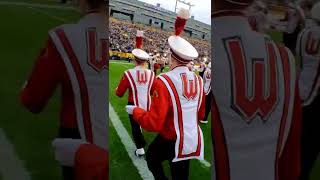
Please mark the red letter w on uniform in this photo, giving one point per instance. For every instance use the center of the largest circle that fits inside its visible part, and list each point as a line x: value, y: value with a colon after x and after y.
x: 264, y: 89
x: 142, y: 77
x: 101, y: 62
x: 189, y: 88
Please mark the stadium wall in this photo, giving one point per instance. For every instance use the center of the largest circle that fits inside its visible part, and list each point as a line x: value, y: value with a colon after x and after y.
x: 139, y: 12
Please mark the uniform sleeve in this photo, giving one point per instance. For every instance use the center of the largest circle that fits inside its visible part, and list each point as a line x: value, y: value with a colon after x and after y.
x: 123, y: 86
x: 202, y: 110
x: 45, y: 77
x: 154, y: 119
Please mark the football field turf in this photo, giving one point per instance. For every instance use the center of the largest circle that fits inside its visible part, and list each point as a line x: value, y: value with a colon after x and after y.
x: 23, y: 33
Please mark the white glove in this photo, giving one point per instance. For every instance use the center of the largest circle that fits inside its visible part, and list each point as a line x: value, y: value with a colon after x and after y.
x: 130, y: 108
x: 65, y: 150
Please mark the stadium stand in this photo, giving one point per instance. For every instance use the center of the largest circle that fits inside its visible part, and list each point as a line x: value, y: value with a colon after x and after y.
x: 155, y: 16
x: 122, y: 38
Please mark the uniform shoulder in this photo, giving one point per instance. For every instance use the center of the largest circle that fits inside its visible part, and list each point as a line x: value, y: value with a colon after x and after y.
x: 63, y: 27
x: 286, y: 52
x: 158, y: 82
x: 161, y: 76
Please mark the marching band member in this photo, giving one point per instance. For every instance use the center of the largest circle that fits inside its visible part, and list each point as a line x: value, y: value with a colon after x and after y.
x: 295, y: 19
x: 308, y: 50
x: 139, y: 82
x: 177, y: 106
x: 207, y: 91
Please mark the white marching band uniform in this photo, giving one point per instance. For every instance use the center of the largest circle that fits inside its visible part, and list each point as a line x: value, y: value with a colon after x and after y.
x: 308, y: 50
x: 141, y: 81
x: 92, y: 118
x: 185, y: 109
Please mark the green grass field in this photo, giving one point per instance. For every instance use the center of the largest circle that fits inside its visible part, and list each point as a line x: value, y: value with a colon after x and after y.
x: 23, y: 33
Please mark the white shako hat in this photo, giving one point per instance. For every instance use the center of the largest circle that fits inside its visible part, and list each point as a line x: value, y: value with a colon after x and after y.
x: 315, y: 12
x: 138, y: 53
x: 180, y: 48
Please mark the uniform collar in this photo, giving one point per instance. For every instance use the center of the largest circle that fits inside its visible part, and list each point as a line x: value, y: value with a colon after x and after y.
x: 180, y: 68
x: 94, y: 18
x: 229, y: 20
x: 139, y: 67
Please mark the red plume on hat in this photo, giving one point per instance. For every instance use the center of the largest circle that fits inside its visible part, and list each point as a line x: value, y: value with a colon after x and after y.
x: 139, y: 39
x: 183, y: 16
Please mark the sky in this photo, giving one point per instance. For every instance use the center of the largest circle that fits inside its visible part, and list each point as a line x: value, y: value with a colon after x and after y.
x: 201, y: 10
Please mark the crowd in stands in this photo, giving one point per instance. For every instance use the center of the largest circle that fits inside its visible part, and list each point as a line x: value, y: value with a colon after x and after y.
x: 123, y: 33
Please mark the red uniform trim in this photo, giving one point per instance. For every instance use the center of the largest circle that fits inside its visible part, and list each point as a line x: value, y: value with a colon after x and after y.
x: 149, y: 87
x: 82, y: 84
x: 286, y: 72
x: 135, y: 91
x: 180, y: 122
x: 220, y: 149
x: 201, y: 92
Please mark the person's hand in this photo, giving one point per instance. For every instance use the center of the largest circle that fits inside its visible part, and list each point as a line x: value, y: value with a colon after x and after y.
x: 130, y: 108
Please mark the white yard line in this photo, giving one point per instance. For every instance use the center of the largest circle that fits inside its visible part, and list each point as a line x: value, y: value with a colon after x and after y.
x: 8, y: 3
x: 11, y: 167
x: 130, y: 147
x: 123, y: 64
x: 119, y: 62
